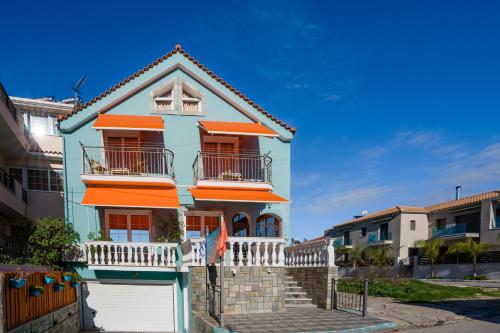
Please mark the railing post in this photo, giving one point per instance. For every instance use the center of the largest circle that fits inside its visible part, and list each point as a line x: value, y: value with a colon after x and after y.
x: 365, y: 297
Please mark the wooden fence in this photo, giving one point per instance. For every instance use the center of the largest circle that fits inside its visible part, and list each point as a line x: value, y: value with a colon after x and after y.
x: 22, y: 308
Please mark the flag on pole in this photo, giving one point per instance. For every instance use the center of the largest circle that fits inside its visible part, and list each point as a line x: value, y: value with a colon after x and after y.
x: 221, y: 241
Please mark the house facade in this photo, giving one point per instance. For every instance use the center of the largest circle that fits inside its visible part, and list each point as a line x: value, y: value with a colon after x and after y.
x: 476, y: 216
x: 163, y: 157
x: 31, y: 168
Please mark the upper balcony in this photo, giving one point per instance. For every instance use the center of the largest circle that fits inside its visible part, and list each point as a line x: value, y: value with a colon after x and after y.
x: 458, y: 231
x: 145, y: 163
x: 13, y: 197
x: 376, y: 238
x: 240, y: 167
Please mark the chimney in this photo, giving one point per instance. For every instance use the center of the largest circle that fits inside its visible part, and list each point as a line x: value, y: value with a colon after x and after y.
x: 457, y: 192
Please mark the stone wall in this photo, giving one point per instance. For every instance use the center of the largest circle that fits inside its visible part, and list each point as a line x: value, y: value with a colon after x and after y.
x: 246, y: 289
x: 65, y: 320
x: 317, y: 282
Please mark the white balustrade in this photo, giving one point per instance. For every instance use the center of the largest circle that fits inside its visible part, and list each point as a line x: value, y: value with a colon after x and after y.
x: 317, y: 253
x: 196, y: 255
x: 256, y: 251
x: 104, y: 253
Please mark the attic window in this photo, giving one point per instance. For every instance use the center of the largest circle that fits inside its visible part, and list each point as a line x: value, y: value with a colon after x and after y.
x: 191, y: 100
x: 164, y: 101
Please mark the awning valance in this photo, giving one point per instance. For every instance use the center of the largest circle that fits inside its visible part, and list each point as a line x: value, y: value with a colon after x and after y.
x: 130, y: 123
x: 131, y: 196
x: 235, y: 195
x: 236, y: 128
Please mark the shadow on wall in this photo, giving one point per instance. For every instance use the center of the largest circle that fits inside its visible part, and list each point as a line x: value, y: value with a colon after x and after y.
x: 88, y: 312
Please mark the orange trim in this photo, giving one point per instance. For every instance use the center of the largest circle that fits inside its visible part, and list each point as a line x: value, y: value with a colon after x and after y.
x: 236, y: 195
x: 126, y: 122
x: 230, y: 127
x: 131, y: 196
x: 128, y: 183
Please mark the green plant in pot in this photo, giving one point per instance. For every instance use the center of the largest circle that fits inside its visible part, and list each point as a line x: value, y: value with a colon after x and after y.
x: 75, y: 279
x: 59, y: 286
x: 49, y: 278
x: 36, y: 290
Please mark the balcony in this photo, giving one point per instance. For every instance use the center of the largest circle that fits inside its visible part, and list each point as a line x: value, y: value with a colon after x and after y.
x: 232, y: 167
x: 144, y: 163
x: 13, y: 197
x: 463, y: 230
x: 375, y: 238
x: 343, y: 243
x: 110, y: 255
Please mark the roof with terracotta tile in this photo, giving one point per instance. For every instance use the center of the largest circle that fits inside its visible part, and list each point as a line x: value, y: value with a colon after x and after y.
x: 385, y: 213
x: 178, y: 49
x: 462, y: 202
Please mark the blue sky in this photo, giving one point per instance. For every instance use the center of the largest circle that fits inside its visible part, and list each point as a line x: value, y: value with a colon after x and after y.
x: 395, y: 102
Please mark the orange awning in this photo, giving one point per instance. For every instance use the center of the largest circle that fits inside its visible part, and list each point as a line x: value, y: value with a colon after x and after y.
x: 235, y: 195
x: 126, y: 122
x: 229, y: 127
x: 131, y: 196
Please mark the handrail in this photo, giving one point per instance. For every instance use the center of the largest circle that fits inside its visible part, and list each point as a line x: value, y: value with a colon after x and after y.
x: 237, y: 167
x: 127, y: 160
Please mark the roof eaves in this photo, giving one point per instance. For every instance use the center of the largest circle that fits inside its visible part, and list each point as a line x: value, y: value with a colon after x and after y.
x: 178, y: 49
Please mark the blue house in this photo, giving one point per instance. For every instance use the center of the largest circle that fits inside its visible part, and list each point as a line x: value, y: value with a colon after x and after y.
x: 161, y: 158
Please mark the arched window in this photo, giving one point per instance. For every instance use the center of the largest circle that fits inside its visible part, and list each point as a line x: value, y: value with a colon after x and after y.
x: 241, y: 225
x: 268, y: 226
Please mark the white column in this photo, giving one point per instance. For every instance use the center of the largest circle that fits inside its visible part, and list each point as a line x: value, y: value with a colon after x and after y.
x: 231, y: 253
x: 257, y: 254
x: 331, y: 253
x: 281, y: 255
x: 240, y: 253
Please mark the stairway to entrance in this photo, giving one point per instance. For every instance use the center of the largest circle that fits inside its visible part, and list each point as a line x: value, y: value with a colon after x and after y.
x: 295, y: 297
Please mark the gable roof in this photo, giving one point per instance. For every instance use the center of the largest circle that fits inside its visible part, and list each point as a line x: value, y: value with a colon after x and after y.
x: 385, y: 213
x: 178, y: 49
x: 462, y: 202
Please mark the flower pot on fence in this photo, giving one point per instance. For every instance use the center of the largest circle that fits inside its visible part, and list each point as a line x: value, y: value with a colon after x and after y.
x: 17, y: 283
x: 67, y: 277
x: 49, y: 279
x: 59, y: 287
x: 36, y: 291
x: 75, y: 284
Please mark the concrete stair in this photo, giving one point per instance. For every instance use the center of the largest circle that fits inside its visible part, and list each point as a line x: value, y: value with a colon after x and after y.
x: 295, y: 297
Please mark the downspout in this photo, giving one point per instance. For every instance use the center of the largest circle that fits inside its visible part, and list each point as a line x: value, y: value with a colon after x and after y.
x: 66, y: 202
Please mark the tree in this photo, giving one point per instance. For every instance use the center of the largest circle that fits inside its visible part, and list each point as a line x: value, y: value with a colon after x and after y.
x: 469, y: 247
x: 431, y: 250
x: 381, y: 256
x: 53, y: 242
x: 354, y: 254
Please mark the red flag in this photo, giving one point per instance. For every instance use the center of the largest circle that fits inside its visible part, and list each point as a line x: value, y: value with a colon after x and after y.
x: 222, y: 239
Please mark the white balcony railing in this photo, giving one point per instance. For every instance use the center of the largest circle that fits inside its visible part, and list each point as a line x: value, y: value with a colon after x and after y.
x: 121, y: 254
x: 242, y: 251
x: 317, y: 253
x: 127, y: 161
x: 256, y: 251
x: 236, y: 167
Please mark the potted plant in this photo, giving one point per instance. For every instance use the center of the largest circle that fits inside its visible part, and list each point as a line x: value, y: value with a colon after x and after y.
x: 36, y: 290
x: 75, y: 279
x: 49, y: 278
x: 59, y: 286
x: 67, y: 276
x: 19, y: 280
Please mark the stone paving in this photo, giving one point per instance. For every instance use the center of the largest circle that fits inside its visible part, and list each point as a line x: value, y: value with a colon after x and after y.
x: 305, y: 320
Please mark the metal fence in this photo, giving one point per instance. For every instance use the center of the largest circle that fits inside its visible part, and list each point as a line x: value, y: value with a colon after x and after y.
x: 13, y: 248
x: 350, y: 295
x: 483, y: 258
x: 215, y: 293
x: 243, y: 167
x: 7, y: 180
x: 128, y: 160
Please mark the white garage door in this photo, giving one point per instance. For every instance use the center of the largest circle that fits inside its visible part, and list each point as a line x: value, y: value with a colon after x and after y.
x: 128, y: 307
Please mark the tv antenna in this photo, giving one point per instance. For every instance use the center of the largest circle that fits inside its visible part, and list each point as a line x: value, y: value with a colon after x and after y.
x: 77, y: 87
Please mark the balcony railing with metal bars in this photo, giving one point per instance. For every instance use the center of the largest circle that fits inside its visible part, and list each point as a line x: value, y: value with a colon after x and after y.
x: 4, y: 97
x: 376, y: 238
x: 342, y: 242
x: 237, y: 167
x: 128, y: 161
x: 7, y: 180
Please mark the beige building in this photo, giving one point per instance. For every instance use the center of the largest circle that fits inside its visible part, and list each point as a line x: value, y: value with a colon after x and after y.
x: 475, y: 216
x: 31, y: 170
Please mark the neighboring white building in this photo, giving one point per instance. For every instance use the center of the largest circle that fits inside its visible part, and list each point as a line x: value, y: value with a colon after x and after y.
x: 31, y: 169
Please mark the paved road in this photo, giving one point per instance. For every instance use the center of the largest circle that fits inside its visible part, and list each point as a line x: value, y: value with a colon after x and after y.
x: 463, y: 326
